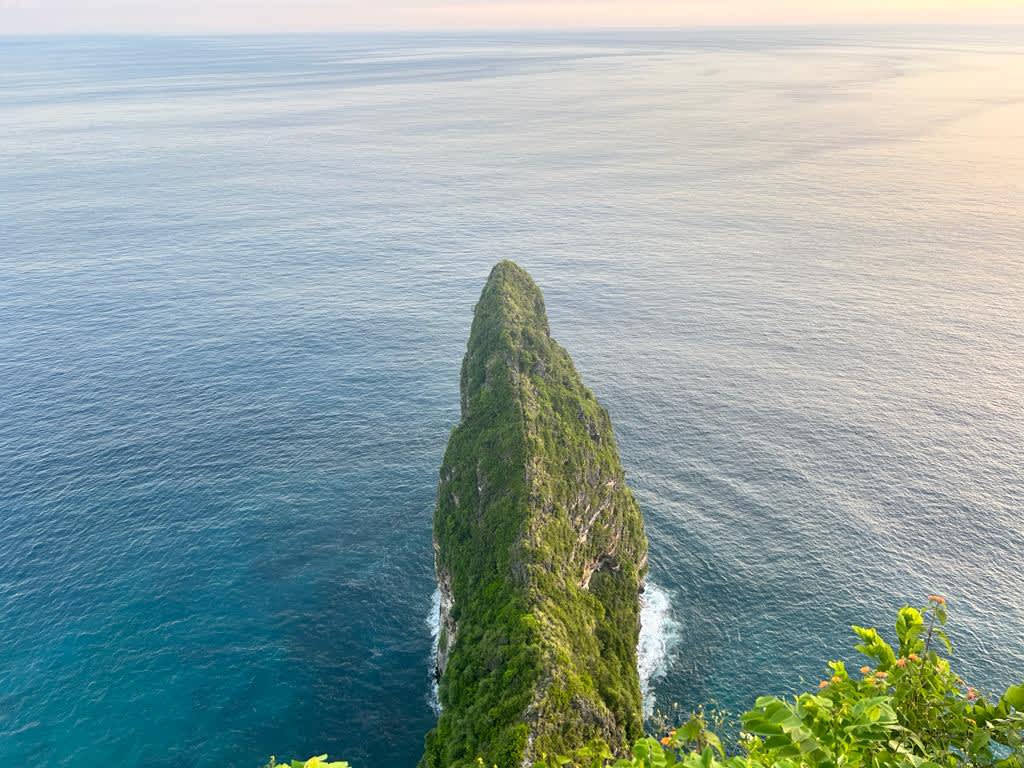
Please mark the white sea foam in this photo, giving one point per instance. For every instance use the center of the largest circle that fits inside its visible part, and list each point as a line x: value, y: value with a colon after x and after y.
x: 434, y: 623
x: 659, y: 635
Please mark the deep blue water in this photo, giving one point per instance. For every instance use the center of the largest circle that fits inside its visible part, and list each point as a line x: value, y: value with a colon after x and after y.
x: 236, y: 281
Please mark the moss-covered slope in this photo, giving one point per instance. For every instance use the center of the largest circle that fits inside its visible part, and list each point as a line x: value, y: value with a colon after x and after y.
x: 540, y: 552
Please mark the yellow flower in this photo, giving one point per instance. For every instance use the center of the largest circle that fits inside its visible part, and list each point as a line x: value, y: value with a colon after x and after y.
x: 865, y: 670
x: 914, y: 657
x: 665, y: 741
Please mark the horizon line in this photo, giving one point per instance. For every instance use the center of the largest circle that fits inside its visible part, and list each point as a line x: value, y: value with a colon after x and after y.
x: 417, y: 31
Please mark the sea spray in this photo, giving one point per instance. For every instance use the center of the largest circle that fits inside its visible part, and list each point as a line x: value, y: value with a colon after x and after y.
x: 434, y: 624
x: 659, y: 635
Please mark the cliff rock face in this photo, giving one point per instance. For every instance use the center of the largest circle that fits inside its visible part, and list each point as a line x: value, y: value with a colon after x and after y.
x: 540, y: 552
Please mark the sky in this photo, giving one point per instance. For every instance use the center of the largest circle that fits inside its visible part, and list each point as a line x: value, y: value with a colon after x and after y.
x: 184, y: 16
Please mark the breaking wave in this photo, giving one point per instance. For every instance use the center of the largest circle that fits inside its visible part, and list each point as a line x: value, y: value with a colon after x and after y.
x: 434, y: 624
x: 659, y: 635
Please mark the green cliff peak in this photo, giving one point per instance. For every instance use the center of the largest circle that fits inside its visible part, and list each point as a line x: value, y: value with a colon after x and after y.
x: 540, y: 552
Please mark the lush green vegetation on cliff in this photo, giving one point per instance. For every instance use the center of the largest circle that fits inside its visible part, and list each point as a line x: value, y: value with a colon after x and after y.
x: 541, y: 548
x: 905, y: 708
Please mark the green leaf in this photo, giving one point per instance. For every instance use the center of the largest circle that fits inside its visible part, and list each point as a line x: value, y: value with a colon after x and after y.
x: 909, y: 625
x: 945, y: 639
x: 691, y: 730
x: 839, y: 669
x: 1014, y: 697
x: 875, y: 647
x: 980, y: 741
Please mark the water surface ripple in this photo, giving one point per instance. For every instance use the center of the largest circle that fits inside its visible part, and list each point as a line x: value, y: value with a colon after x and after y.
x: 237, y: 277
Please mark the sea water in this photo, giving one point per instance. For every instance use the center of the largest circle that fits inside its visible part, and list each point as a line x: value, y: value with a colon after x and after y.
x: 236, y: 283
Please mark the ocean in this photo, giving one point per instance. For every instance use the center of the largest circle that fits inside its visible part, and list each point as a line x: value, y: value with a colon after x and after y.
x: 236, y: 283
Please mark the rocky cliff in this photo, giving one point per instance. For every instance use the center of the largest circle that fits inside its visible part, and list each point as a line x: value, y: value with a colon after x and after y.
x: 540, y: 552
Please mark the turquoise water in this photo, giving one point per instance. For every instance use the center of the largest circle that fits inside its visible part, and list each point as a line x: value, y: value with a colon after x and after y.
x: 237, y: 277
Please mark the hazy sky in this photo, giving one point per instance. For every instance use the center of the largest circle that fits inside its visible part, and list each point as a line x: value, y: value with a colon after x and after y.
x: 169, y: 16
